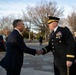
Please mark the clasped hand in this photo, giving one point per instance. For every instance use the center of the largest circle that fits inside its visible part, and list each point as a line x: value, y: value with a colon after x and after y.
x: 38, y: 52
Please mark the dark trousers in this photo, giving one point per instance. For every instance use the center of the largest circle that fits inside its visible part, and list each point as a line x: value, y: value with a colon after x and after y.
x: 60, y: 70
x: 13, y: 72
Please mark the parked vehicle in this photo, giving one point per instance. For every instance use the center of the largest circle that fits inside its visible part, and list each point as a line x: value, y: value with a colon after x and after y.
x: 2, y: 43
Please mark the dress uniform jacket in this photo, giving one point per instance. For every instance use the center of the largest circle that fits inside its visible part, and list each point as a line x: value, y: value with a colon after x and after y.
x: 14, y: 54
x: 62, y: 45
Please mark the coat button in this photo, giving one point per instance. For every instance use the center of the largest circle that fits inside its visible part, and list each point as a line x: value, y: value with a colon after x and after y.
x: 52, y: 40
x: 60, y: 41
x: 53, y: 50
x: 52, y: 43
x: 53, y: 47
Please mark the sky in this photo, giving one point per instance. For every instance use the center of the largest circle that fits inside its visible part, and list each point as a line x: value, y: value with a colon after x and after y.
x: 16, y: 7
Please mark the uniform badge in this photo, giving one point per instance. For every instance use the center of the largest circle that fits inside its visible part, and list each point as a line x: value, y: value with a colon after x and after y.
x: 59, y: 35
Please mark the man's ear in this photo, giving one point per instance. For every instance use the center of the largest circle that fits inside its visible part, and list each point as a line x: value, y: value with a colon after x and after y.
x: 18, y: 24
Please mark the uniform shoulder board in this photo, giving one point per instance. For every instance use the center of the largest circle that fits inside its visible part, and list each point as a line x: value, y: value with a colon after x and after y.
x: 63, y: 26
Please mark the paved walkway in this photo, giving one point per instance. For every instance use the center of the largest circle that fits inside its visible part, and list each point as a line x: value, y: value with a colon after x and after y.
x: 34, y: 65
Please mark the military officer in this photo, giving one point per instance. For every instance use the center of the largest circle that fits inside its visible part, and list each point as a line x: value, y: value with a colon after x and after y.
x: 62, y: 45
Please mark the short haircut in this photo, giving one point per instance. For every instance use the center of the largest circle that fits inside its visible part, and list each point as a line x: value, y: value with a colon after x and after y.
x: 16, y: 21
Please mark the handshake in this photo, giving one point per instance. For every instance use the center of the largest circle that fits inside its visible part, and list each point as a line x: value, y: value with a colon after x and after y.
x: 38, y: 52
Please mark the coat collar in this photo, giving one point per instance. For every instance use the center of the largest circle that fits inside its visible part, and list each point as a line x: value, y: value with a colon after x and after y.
x: 55, y: 29
x: 18, y: 31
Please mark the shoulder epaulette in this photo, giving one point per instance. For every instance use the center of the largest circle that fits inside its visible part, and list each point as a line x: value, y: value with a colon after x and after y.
x: 63, y: 26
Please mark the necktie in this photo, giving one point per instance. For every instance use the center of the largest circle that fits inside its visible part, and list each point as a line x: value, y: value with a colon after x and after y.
x: 52, y: 33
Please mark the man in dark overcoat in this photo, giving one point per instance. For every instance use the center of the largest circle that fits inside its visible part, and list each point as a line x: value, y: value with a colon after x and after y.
x: 13, y: 60
x: 62, y: 44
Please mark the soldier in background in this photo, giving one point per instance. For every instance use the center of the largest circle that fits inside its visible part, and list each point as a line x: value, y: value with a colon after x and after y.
x: 41, y: 40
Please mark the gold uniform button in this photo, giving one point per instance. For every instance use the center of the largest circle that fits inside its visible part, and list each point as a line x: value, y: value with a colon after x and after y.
x: 52, y: 40
x: 52, y: 47
x: 52, y: 43
x: 60, y: 41
x: 53, y: 50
